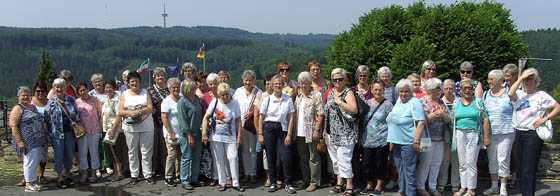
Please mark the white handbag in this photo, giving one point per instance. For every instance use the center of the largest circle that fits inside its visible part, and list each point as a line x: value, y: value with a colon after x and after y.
x: 545, y: 131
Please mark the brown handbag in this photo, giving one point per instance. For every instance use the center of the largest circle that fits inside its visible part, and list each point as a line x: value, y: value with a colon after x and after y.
x: 78, y: 129
x: 249, y: 124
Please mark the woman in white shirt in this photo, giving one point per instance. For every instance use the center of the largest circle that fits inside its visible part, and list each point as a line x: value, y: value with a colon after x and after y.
x: 245, y: 97
x: 170, y: 130
x: 225, y: 118
x: 276, y: 126
x: 528, y: 104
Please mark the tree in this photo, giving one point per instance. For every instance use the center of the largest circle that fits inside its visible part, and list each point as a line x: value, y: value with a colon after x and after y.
x: 46, y: 73
x: 403, y: 38
x: 556, y: 121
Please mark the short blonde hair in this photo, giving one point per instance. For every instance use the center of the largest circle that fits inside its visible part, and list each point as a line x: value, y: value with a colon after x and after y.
x: 338, y: 71
x: 212, y: 77
x: 223, y: 89
x: 187, y: 86
x: 511, y: 68
x: 172, y: 81
x: 535, y: 73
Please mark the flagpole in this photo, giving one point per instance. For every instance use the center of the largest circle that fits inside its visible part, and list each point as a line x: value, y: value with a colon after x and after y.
x: 204, y: 64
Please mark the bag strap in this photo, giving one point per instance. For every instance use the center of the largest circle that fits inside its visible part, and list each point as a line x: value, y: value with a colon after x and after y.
x: 63, y: 108
x: 375, y: 110
x: 214, y: 109
x: 254, y: 93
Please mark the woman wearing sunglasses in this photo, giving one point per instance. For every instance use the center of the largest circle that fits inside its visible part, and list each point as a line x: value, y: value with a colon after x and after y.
x: 466, y: 72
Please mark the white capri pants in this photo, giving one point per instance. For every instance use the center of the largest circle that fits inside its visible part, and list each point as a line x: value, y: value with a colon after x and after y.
x: 429, y: 163
x: 30, y: 162
x: 89, y: 144
x: 222, y: 151
x: 467, y: 150
x: 143, y: 142
x: 341, y: 157
x: 499, y: 154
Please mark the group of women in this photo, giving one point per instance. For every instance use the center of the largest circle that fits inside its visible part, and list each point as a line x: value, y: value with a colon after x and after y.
x: 192, y: 131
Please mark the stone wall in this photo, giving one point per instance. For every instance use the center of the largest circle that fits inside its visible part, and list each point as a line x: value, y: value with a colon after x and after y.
x: 549, y: 165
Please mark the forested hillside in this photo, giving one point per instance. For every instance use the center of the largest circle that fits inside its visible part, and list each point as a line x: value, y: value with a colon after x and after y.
x: 86, y: 51
x: 545, y: 44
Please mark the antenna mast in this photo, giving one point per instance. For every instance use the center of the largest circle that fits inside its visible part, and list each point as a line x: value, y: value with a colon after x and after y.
x: 164, y: 15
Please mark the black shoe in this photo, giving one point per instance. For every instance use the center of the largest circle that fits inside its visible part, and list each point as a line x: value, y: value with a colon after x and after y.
x: 133, y: 181
x: 196, y: 184
x: 69, y: 182
x: 290, y: 189
x: 169, y: 182
x: 150, y: 180
x: 239, y: 189
x: 116, y: 178
x: 177, y: 181
x: 187, y: 186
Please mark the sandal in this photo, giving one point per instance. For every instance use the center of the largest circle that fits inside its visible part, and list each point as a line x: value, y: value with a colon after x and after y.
x: 366, y: 191
x: 336, y: 189
x: 348, y: 192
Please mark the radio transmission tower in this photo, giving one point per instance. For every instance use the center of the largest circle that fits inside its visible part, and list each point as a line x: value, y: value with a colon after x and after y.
x: 164, y: 15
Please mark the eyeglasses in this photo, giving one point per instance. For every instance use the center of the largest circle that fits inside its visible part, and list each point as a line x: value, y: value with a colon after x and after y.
x: 467, y: 87
x: 362, y: 76
x: 285, y: 70
x: 431, y: 69
x: 466, y: 71
x: 337, y: 80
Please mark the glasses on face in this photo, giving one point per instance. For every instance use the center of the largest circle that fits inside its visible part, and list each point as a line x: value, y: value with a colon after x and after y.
x: 362, y: 76
x: 431, y: 69
x: 39, y: 91
x: 336, y: 80
x: 284, y: 69
x: 466, y: 71
x: 467, y: 88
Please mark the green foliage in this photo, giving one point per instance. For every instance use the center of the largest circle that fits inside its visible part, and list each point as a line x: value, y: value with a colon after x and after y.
x: 545, y: 43
x: 87, y: 51
x: 556, y: 121
x: 403, y: 38
x: 46, y: 71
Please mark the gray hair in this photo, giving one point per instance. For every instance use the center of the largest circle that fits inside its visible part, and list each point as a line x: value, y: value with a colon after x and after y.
x: 384, y: 70
x: 65, y: 74
x: 466, y: 66
x: 362, y: 69
x: 447, y: 82
x: 96, y: 77
x: 60, y: 82
x: 212, y: 77
x: 188, y: 65
x: 337, y: 71
x: 158, y: 70
x: 404, y: 83
x: 511, y: 68
x: 432, y: 84
x: 187, y: 86
x: 223, y: 89
x: 496, y: 74
x: 305, y: 76
x: 534, y: 72
x: 425, y: 65
x: 172, y: 81
x: 413, y: 75
x: 23, y: 89
x: 248, y: 73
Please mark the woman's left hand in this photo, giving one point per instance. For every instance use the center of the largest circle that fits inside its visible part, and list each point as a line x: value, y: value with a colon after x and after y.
x: 539, y: 122
x: 486, y: 142
x: 238, y: 143
x: 416, y: 147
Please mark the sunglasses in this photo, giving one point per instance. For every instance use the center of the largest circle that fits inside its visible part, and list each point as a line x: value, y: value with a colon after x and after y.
x: 285, y: 70
x: 363, y: 76
x: 465, y: 72
x: 431, y: 69
x: 337, y: 80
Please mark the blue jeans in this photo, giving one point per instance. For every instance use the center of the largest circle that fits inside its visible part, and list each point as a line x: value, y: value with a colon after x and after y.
x: 274, y: 138
x: 64, y: 152
x: 190, y: 159
x: 529, y: 154
x: 405, y: 161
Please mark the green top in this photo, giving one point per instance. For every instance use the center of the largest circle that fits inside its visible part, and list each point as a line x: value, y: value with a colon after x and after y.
x: 189, y: 115
x: 468, y: 116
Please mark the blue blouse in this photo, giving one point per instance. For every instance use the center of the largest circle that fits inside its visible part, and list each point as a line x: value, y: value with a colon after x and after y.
x: 55, y: 116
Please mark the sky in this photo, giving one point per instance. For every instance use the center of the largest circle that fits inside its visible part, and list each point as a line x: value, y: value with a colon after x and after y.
x: 267, y: 16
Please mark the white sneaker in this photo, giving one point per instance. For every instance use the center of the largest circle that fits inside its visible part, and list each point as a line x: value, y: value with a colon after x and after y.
x: 31, y: 188
x: 503, y: 192
x: 98, y: 173
x: 109, y: 171
x: 491, y: 191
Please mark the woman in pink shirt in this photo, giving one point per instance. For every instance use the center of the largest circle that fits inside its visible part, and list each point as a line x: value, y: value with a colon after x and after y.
x: 89, y: 109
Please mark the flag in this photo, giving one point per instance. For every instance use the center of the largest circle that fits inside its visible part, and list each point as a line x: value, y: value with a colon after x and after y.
x: 143, y: 67
x: 201, y: 54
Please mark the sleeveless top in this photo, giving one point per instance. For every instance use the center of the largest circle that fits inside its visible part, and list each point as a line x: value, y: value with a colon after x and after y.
x: 137, y: 101
x: 342, y: 130
x: 31, y: 129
